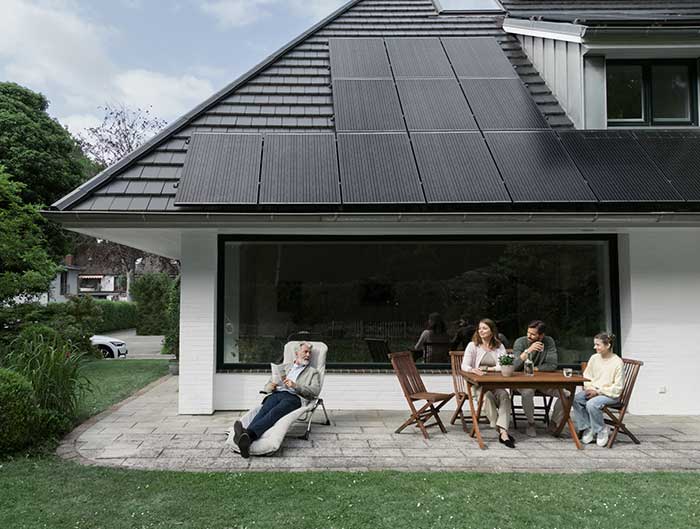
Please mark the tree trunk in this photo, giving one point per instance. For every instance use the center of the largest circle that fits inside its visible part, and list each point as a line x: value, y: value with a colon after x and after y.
x: 129, y: 280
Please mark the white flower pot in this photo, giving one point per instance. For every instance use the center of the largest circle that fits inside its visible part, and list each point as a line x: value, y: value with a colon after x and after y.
x: 507, y: 371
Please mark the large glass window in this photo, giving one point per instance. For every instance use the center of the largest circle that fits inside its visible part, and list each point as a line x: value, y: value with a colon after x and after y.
x: 648, y: 93
x: 346, y: 291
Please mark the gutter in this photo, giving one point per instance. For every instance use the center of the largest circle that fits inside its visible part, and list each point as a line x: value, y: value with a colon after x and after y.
x: 74, y: 219
x: 582, y: 34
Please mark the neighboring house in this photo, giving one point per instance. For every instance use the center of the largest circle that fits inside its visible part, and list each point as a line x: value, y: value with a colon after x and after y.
x: 65, y: 284
x: 401, y: 158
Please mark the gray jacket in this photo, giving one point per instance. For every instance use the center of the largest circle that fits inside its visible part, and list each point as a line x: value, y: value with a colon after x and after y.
x: 546, y: 360
x: 308, y: 382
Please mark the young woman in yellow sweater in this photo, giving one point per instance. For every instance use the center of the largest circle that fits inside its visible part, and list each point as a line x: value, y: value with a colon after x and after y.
x: 604, y: 370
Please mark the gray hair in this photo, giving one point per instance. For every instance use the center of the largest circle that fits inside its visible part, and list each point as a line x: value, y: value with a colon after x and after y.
x: 299, y: 346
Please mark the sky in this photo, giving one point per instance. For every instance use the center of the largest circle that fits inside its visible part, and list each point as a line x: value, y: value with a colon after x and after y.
x: 166, y: 55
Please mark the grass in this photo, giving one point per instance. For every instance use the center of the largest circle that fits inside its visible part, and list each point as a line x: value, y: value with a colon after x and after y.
x: 114, y: 380
x: 39, y: 493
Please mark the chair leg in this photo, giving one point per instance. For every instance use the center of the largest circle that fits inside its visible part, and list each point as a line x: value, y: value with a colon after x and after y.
x: 512, y: 409
x: 547, y: 406
x: 436, y: 415
x: 458, y: 411
x: 323, y: 406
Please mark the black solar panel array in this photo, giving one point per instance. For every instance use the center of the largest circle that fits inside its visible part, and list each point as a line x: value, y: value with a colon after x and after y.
x: 478, y: 58
x: 359, y: 59
x: 617, y: 168
x: 221, y: 169
x: 367, y: 105
x: 299, y: 169
x: 434, y: 104
x: 418, y: 58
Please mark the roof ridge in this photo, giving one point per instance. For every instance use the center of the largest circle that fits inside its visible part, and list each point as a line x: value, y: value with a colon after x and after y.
x: 183, y: 121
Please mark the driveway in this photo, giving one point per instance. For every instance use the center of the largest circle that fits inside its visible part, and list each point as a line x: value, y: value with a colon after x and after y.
x: 141, y: 347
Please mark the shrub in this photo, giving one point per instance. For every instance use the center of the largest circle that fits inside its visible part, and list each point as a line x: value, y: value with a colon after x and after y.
x: 54, y: 368
x: 116, y: 315
x: 172, y: 335
x: 18, y: 411
x: 151, y: 292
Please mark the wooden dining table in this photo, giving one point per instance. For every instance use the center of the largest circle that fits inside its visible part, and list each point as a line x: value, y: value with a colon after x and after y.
x: 539, y: 380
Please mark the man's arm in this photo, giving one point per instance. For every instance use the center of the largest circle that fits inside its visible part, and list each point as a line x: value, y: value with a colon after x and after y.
x: 518, y: 347
x: 311, y: 390
x: 550, y: 359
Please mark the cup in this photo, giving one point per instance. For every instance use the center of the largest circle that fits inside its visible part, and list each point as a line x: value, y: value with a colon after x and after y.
x: 567, y: 371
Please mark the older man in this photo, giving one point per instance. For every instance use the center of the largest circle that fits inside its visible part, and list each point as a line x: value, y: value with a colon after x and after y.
x: 299, y: 382
x: 543, y: 352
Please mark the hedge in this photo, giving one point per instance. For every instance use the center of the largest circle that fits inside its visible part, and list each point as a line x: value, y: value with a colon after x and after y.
x: 18, y: 411
x: 151, y: 293
x: 116, y: 315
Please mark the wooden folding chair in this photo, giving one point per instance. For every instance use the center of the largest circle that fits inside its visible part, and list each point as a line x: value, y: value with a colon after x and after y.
x: 616, y: 412
x: 378, y: 349
x: 541, y: 411
x: 414, y: 391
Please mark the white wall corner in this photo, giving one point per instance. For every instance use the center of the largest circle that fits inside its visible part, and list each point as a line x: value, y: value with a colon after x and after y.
x: 197, y: 323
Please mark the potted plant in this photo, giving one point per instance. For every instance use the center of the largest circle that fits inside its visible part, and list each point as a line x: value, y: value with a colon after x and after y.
x: 506, y: 362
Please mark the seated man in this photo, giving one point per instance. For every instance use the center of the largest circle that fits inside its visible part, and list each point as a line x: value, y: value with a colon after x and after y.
x: 543, y: 353
x: 300, y: 382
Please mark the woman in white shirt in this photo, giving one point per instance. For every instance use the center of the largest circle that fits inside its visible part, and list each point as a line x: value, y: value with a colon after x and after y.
x: 604, y: 371
x: 481, y: 355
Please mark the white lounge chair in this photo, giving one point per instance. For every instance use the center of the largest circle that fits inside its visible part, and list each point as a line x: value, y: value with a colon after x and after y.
x: 271, y: 440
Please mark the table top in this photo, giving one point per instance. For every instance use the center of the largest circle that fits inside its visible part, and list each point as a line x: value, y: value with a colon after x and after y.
x: 538, y: 379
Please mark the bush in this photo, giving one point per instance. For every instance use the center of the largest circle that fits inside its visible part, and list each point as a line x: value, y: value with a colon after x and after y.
x: 172, y: 335
x: 151, y: 293
x: 18, y: 411
x: 54, y: 368
x: 116, y: 315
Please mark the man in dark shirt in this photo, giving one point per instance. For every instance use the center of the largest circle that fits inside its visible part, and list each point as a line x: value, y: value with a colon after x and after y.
x: 543, y: 352
x: 463, y: 335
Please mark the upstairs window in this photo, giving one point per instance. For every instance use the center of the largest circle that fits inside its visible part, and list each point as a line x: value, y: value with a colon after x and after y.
x: 651, y: 93
x: 467, y: 6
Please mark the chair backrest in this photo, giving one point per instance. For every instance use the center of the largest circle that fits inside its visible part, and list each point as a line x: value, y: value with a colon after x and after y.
x: 378, y: 349
x: 458, y: 383
x: 319, y: 350
x: 407, y: 373
x: 630, y: 370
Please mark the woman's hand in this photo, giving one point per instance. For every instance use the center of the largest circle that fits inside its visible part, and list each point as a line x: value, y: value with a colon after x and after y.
x: 590, y: 393
x: 477, y: 371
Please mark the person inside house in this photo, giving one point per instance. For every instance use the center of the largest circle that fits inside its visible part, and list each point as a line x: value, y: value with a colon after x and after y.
x: 300, y: 382
x: 481, y: 355
x: 464, y: 334
x: 542, y: 350
x: 604, y: 371
x: 435, y: 333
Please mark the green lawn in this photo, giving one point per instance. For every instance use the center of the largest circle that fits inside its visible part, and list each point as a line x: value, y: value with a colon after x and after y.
x: 39, y: 493
x: 114, y: 380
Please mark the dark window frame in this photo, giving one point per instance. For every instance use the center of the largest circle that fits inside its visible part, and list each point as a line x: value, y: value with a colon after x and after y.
x: 63, y: 290
x: 647, y: 93
x: 613, y: 271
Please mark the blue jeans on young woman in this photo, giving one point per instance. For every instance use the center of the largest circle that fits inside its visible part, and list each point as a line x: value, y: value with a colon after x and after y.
x: 275, y: 406
x: 588, y: 413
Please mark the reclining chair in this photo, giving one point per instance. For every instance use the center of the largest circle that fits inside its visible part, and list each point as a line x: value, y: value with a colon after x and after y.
x: 271, y: 440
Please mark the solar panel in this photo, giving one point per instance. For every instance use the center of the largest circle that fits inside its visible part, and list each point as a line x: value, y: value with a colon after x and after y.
x: 677, y: 154
x: 435, y: 104
x: 478, y: 57
x: 221, y: 169
x: 457, y: 168
x: 502, y: 104
x: 299, y: 169
x: 616, y: 167
x: 536, y: 168
x: 378, y: 169
x: 367, y: 106
x: 359, y: 59
x: 418, y: 57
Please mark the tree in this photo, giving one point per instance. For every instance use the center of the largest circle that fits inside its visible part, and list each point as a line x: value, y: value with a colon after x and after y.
x: 26, y: 269
x: 122, y: 130
x: 39, y: 153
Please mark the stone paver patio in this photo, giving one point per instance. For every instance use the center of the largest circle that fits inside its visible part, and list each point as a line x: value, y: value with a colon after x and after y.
x: 146, y: 432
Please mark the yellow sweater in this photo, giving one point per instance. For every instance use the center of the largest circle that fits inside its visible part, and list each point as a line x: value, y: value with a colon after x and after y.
x: 605, y: 375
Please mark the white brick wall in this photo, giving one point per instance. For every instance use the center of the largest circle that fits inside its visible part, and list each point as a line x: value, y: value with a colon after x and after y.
x: 660, y: 302
x: 340, y: 391
x: 197, y: 321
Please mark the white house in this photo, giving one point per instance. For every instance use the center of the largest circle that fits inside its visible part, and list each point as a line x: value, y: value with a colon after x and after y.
x: 512, y: 160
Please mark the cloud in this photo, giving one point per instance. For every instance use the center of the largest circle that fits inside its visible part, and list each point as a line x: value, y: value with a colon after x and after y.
x: 167, y: 95
x: 237, y: 13
x: 316, y: 9
x: 53, y: 47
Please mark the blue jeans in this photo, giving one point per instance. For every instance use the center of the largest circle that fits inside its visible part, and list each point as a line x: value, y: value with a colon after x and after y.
x: 275, y: 406
x: 589, y: 413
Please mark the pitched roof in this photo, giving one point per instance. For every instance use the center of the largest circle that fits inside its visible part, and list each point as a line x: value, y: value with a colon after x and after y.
x: 342, y: 150
x: 607, y: 12
x: 289, y: 92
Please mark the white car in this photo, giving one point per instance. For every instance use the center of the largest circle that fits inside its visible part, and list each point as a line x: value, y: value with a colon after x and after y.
x: 110, y: 347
